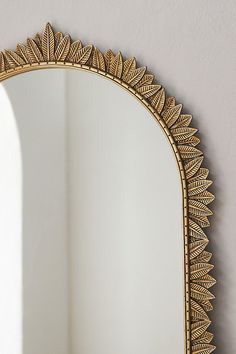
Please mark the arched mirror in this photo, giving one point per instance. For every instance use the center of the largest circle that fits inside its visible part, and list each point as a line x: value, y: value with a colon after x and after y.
x: 105, y: 199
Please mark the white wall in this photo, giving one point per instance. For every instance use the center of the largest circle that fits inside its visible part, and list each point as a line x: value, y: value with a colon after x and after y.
x: 190, y: 45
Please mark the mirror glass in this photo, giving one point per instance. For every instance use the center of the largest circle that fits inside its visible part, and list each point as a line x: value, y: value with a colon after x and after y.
x: 91, y: 229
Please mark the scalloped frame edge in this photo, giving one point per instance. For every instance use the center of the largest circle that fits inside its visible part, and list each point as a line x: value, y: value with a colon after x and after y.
x: 52, y: 49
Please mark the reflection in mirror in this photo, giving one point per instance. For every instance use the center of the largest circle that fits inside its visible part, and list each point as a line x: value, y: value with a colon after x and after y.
x: 97, y: 265
x: 10, y: 230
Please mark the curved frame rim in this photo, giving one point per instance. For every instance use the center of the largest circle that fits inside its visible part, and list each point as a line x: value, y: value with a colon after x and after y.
x: 53, y: 50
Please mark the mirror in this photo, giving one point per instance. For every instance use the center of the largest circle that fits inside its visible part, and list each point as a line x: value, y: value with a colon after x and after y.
x: 103, y: 202
x: 98, y: 217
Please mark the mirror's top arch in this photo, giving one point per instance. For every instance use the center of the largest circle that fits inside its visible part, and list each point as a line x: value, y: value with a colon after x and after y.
x: 52, y: 49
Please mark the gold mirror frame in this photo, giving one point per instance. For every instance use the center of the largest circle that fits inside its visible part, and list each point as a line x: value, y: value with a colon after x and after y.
x: 53, y: 50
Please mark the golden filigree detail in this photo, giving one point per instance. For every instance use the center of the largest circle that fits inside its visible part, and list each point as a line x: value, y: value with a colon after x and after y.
x: 55, y: 48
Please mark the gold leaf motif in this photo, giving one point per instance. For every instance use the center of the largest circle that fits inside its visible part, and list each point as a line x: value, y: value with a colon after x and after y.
x: 192, y: 141
x: 98, y: 60
x: 189, y: 152
x: 205, y: 197
x: 116, y: 65
x: 201, y: 220
x: 63, y: 49
x: 198, y: 328
x: 10, y: 63
x: 48, y: 43
x: 24, y: 52
x: 206, y: 305
x: 198, y: 292
x: 169, y: 103
x: 148, y: 90
x: 199, y: 270
x: 198, y: 187
x: 192, y: 167
x: 7, y: 66
x: 196, y: 231
x: 2, y: 62
x: 74, y: 48
x: 158, y: 100
x: 146, y: 80
x: 14, y: 59
x: 58, y: 38
x: 205, y: 338
x: 34, y: 52
x: 183, y: 121
x: 207, y: 281
x: 38, y: 40
x: 204, y: 257
x: 199, y: 209
x: 129, y: 65
x: 109, y: 57
x: 203, y: 349
x: 197, y: 247
x: 135, y: 76
x: 83, y: 55
x: 183, y: 133
x: 171, y: 115
x: 202, y: 174
x: 197, y: 311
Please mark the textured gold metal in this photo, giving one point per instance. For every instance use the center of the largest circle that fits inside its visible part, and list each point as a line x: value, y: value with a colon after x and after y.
x: 54, y: 50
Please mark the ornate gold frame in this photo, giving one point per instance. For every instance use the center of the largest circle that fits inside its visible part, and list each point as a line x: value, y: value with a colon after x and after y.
x: 50, y: 50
